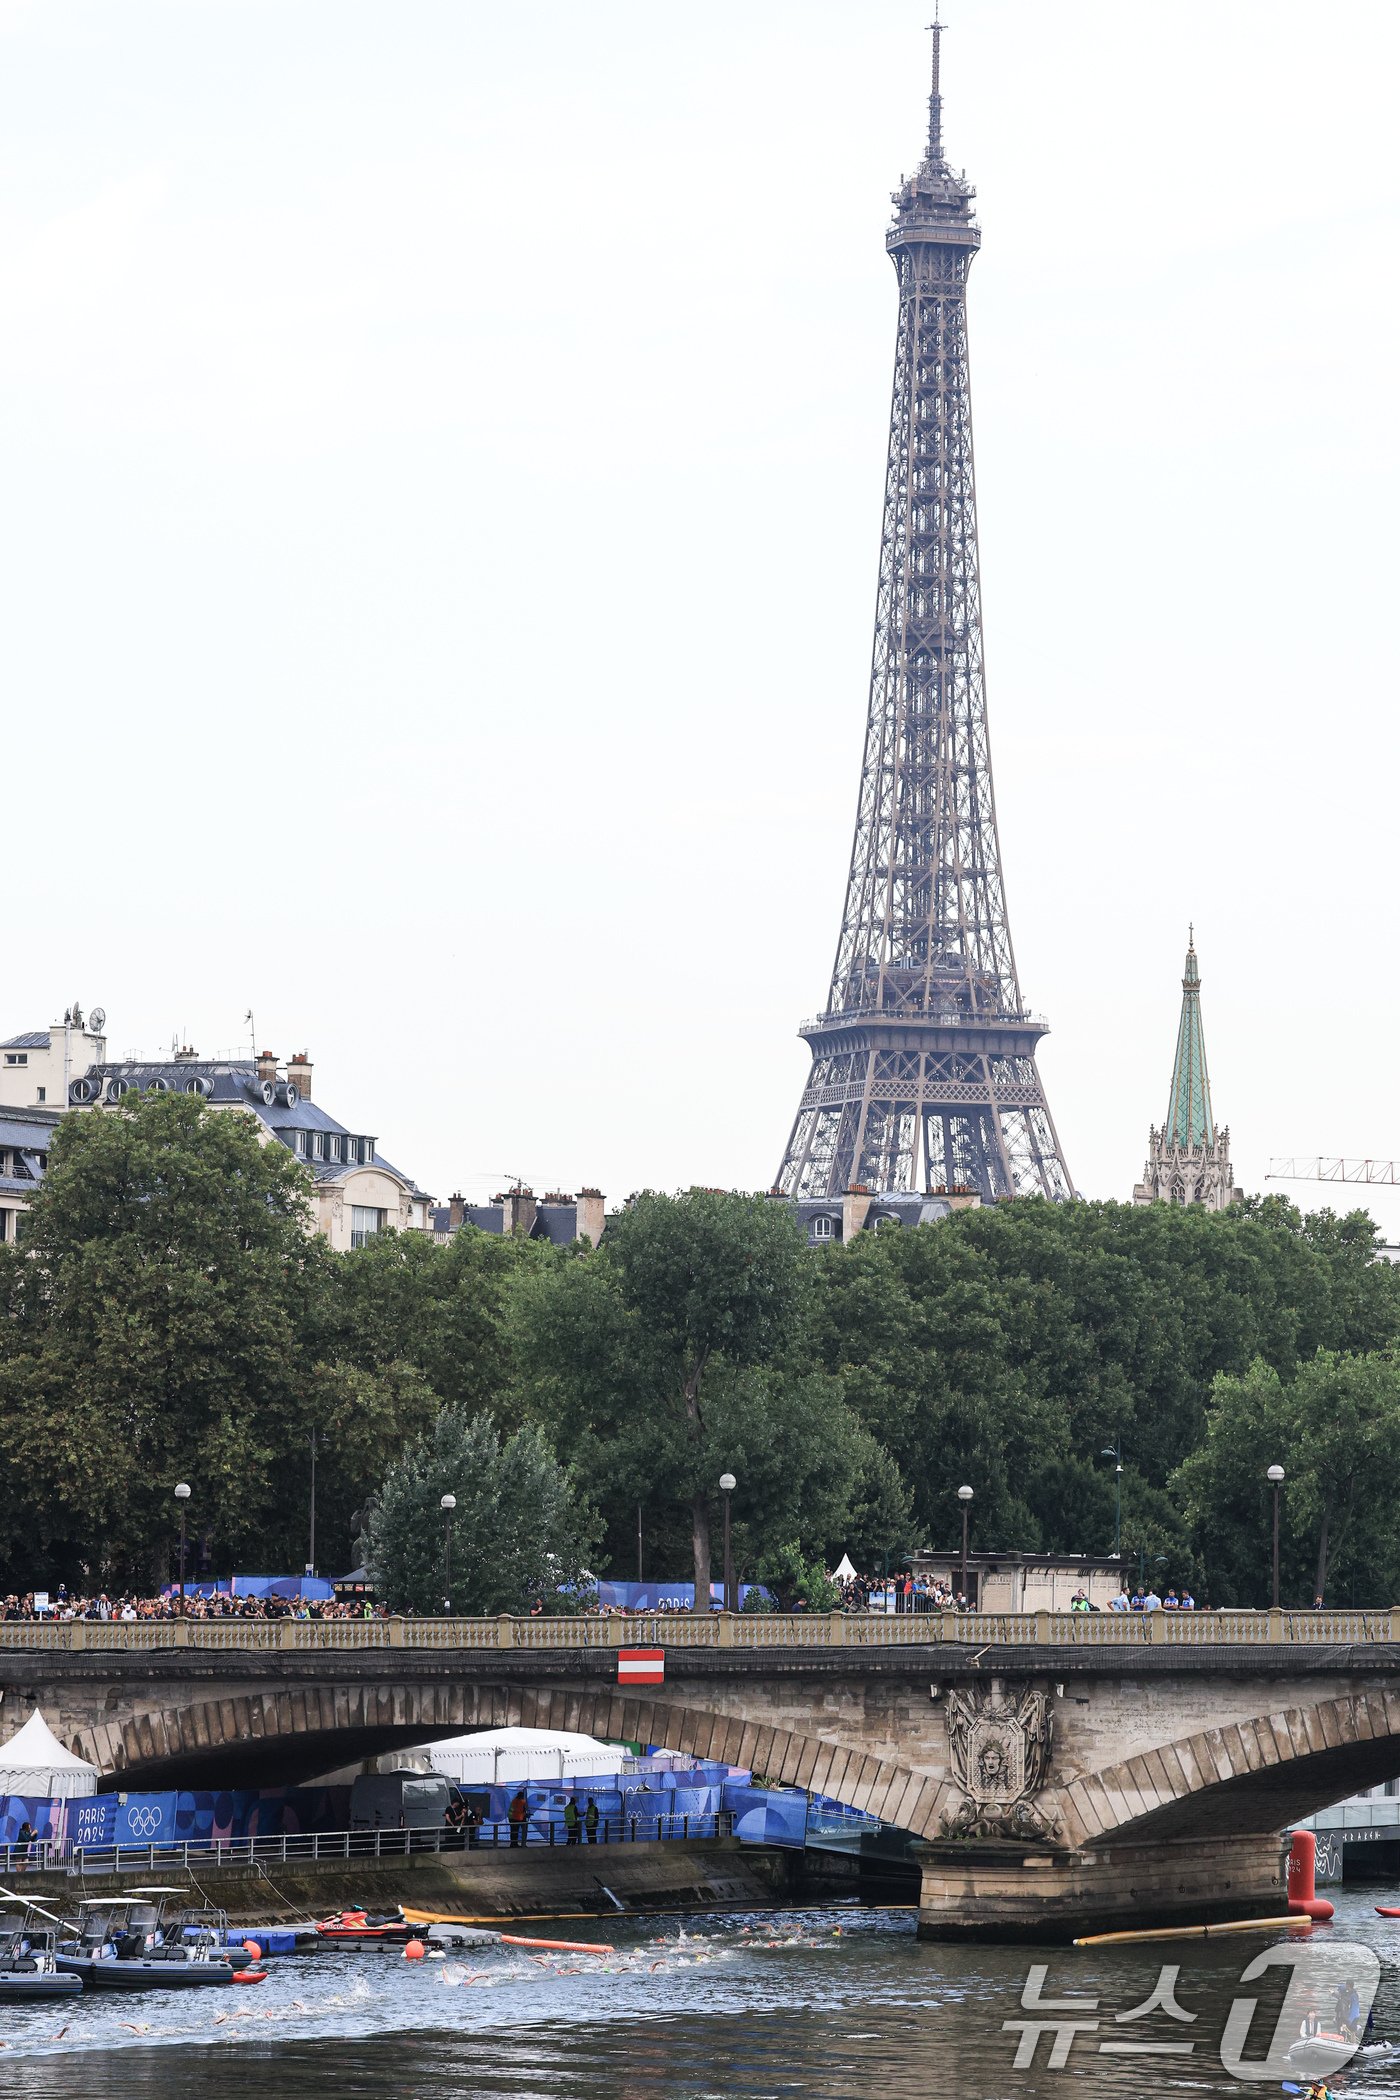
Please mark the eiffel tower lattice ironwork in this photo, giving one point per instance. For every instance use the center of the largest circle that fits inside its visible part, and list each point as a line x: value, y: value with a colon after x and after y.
x: 923, y: 1065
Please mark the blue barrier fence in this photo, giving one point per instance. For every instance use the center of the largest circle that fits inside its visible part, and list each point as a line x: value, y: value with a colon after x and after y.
x: 291, y: 1846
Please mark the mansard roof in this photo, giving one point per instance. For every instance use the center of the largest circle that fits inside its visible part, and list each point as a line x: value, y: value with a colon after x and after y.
x: 235, y: 1083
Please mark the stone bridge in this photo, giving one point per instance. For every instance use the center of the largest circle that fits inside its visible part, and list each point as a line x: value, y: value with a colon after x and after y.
x: 1064, y: 1773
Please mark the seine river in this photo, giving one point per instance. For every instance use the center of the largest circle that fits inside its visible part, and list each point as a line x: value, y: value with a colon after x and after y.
x: 835, y: 2004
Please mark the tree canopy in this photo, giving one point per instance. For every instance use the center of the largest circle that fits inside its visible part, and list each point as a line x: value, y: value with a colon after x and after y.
x: 168, y: 1316
x: 515, y: 1534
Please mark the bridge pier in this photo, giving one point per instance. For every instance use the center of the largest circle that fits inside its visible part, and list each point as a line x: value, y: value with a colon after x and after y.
x: 1001, y: 1889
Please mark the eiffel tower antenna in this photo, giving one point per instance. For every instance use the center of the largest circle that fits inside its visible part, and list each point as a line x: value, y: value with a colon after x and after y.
x: 923, y: 1063
x: 935, y: 100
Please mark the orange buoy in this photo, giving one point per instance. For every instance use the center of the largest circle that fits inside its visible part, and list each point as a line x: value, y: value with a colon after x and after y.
x: 252, y: 1947
x: 250, y: 1975
x: 414, y: 1951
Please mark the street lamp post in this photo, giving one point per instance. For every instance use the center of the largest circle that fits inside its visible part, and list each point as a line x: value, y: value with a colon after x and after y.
x: 965, y: 1497
x: 1275, y: 1477
x: 182, y: 1496
x: 727, y: 1485
x: 311, y: 1540
x: 1115, y: 1452
x: 447, y: 1505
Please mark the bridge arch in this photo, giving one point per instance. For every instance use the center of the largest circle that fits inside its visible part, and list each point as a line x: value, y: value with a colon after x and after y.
x: 1250, y: 1778
x: 293, y: 1733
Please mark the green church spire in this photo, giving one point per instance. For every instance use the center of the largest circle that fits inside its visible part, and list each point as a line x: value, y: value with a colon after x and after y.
x: 1189, y: 1120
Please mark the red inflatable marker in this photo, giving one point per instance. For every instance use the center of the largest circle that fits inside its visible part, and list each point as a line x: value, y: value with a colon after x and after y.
x: 1303, y: 1899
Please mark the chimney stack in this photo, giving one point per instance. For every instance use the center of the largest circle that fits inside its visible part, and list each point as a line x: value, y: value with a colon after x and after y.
x: 518, y: 1213
x: 299, y: 1072
x: 456, y: 1212
x: 854, y: 1205
x: 588, y: 1215
x: 266, y: 1066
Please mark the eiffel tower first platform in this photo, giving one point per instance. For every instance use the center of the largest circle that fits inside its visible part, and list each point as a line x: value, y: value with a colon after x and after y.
x: 923, y: 1065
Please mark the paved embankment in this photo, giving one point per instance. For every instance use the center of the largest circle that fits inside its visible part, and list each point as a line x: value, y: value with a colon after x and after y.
x: 476, y: 1884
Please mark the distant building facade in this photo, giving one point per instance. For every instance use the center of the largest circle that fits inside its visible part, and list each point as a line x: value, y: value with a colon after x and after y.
x: 355, y: 1191
x: 520, y: 1214
x: 37, y: 1068
x: 25, y: 1137
x: 1188, y: 1159
x: 826, y: 1220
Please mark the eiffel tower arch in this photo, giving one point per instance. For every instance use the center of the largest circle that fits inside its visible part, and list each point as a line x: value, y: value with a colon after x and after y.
x: 923, y: 1064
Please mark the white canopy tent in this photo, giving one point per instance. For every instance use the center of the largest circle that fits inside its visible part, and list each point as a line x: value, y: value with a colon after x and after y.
x: 34, y: 1762
x: 499, y: 1756
x: 845, y: 1573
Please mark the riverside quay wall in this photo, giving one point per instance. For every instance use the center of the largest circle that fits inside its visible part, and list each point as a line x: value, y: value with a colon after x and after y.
x: 1063, y: 1772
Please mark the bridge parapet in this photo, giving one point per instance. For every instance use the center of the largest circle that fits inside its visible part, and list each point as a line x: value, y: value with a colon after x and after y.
x: 758, y: 1630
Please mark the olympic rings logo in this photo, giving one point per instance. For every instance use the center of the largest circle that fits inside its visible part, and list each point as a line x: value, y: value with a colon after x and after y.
x: 143, y: 1822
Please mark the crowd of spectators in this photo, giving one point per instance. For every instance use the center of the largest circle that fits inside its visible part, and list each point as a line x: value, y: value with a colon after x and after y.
x: 128, y: 1610
x: 857, y: 1593
x: 911, y: 1593
x: 1147, y: 1599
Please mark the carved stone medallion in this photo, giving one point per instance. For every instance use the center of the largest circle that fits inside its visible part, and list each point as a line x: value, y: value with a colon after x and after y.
x: 1000, y: 1754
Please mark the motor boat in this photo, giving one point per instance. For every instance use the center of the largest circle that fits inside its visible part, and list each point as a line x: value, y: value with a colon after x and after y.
x: 28, y: 1957
x: 203, y: 1926
x: 126, y: 1944
x: 365, y: 1928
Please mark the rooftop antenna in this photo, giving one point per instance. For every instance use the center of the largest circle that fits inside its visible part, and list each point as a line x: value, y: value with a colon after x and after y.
x: 935, y: 100
x: 252, y: 1031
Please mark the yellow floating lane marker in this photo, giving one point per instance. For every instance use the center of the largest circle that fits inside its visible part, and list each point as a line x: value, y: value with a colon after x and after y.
x: 1292, y: 1923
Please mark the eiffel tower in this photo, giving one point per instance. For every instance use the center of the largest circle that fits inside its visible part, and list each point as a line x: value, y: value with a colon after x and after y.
x: 923, y: 1064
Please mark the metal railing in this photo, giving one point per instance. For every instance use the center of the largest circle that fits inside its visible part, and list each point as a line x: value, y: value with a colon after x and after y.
x: 748, y: 1630
x: 289, y: 1847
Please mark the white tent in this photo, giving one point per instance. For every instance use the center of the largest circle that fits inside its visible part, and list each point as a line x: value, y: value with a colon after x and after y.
x: 34, y: 1762
x: 845, y: 1573
x: 497, y: 1756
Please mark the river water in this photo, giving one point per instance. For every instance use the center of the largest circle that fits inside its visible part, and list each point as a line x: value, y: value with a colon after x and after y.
x: 832, y: 2004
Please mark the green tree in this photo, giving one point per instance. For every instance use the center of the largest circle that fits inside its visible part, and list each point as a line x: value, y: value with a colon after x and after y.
x: 1335, y: 1429
x: 679, y: 1351
x: 517, y: 1530
x: 404, y: 1299
x: 158, y: 1305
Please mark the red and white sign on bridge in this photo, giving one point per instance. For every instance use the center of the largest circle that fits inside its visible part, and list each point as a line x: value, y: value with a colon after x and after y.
x: 641, y: 1665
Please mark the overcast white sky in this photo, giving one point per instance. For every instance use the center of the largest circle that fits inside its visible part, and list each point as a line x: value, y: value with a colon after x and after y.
x: 442, y: 451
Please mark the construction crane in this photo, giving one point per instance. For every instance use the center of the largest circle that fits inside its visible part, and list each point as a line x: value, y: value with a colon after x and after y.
x: 1384, y: 1172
